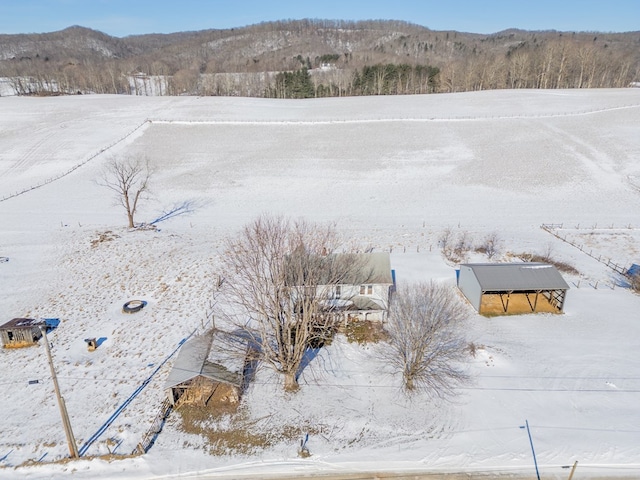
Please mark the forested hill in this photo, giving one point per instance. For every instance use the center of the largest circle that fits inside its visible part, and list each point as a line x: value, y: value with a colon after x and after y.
x: 311, y: 58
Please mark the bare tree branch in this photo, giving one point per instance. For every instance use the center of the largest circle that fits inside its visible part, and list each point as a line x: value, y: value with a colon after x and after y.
x: 129, y: 178
x: 279, y: 278
x: 426, y: 342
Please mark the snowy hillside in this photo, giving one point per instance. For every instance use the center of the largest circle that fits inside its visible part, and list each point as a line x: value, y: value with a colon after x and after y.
x: 392, y: 173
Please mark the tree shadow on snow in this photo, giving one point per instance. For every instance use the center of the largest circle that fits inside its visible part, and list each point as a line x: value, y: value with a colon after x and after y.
x: 177, y: 209
x: 247, y: 343
x: 253, y: 344
x: 307, y: 358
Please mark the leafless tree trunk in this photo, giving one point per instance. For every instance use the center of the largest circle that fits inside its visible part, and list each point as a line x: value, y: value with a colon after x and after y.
x: 491, y: 245
x: 455, y: 247
x: 281, y: 275
x: 449, y: 78
x: 547, y: 62
x: 426, y: 343
x: 518, y: 69
x: 129, y: 178
x: 585, y: 54
x: 561, y: 67
x: 445, y: 241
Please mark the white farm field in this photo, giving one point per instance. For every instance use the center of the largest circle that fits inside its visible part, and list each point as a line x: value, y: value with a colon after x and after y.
x: 392, y: 173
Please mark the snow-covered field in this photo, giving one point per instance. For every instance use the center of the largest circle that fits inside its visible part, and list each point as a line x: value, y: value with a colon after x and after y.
x: 392, y: 173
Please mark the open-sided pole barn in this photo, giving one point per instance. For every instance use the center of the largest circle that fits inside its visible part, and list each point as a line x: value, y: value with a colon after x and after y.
x: 200, y: 373
x: 511, y: 288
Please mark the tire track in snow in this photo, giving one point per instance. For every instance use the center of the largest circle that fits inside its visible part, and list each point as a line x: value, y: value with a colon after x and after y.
x: 75, y: 167
x: 19, y: 166
x: 595, y: 161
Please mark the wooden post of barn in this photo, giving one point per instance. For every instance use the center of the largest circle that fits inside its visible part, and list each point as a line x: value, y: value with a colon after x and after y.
x: 73, y: 448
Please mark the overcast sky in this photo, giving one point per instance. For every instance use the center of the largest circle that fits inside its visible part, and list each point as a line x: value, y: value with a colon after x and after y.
x: 130, y: 17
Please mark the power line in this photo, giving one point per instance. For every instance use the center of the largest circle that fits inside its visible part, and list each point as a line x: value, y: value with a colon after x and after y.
x: 354, y: 385
x: 558, y: 377
x: 518, y: 389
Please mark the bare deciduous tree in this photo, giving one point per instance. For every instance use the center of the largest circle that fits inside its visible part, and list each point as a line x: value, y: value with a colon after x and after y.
x: 455, y: 248
x: 491, y: 245
x: 463, y: 245
x: 548, y: 253
x: 129, y: 178
x: 426, y: 344
x: 445, y: 241
x: 280, y: 277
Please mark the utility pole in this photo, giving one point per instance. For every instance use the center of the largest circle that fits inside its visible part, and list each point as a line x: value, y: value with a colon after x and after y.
x: 535, y: 461
x: 73, y: 448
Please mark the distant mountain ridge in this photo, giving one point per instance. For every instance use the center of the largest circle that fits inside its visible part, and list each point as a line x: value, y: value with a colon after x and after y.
x: 237, y: 61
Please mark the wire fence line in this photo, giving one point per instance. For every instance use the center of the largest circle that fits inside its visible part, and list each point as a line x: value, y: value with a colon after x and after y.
x: 154, y: 430
x: 554, y: 229
x: 325, y: 121
x: 126, y: 403
x: 76, y: 166
x: 382, y: 119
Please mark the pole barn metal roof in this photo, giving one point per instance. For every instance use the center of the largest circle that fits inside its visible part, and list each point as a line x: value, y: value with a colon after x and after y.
x: 190, y: 360
x: 517, y: 277
x: 195, y: 359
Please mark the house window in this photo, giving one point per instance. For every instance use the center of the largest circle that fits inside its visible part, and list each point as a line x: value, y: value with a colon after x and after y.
x: 366, y: 289
x: 338, y: 291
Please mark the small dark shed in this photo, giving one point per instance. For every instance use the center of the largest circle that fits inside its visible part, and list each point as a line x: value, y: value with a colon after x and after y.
x: 21, y: 332
x: 205, y: 371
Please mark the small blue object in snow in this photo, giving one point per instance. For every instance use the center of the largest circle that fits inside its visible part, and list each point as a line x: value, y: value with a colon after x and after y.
x: 633, y: 270
x: 52, y: 323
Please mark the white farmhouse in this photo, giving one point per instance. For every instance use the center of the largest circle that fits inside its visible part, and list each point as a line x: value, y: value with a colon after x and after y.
x: 365, y: 293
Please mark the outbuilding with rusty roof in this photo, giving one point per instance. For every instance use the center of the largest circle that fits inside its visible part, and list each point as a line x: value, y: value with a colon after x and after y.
x: 21, y: 332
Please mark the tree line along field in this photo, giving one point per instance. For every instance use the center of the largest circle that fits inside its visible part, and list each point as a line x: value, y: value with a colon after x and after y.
x: 332, y: 58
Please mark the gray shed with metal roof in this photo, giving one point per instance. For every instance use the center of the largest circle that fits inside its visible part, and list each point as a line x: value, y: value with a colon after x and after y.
x: 205, y: 368
x: 514, y: 287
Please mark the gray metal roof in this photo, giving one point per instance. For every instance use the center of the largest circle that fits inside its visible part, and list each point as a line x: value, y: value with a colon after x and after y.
x: 360, y: 302
x: 376, y: 269
x: 220, y: 373
x: 192, y: 361
x: 342, y: 268
x: 517, y: 276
